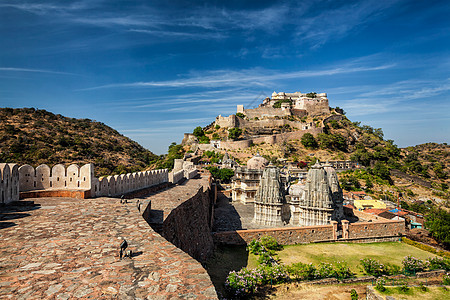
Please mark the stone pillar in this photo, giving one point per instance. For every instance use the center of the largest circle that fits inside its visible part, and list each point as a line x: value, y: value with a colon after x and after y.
x: 345, y: 233
x: 335, y: 229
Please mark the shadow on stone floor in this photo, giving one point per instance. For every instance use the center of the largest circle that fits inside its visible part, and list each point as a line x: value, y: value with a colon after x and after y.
x: 14, y: 211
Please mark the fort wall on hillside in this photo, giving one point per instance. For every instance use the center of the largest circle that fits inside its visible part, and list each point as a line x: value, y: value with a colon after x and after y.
x: 269, y: 139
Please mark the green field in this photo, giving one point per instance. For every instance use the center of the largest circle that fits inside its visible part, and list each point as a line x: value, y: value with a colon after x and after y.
x: 388, y: 252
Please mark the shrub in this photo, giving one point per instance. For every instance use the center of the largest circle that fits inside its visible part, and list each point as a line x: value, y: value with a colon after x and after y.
x: 354, y: 294
x: 242, y: 283
x: 446, y: 280
x: 404, y: 288
x: 270, y: 243
x: 217, y: 127
x: 412, y: 265
x: 254, y: 247
x: 302, y: 271
x: 265, y: 258
x: 372, y: 267
x: 324, y: 270
x: 245, y: 282
x: 438, y: 263
x: 234, y: 133
x: 309, y: 141
x: 425, y: 247
x: 375, y: 268
x: 240, y: 115
x: 380, y: 285
x: 273, y: 274
x: 342, y: 271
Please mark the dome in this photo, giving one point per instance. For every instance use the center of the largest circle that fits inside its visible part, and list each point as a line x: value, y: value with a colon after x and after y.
x: 257, y: 162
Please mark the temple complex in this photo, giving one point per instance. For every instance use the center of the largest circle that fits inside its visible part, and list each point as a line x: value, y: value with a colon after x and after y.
x: 317, y: 202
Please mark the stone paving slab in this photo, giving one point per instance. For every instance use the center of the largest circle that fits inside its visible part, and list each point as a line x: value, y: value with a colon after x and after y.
x: 69, y: 249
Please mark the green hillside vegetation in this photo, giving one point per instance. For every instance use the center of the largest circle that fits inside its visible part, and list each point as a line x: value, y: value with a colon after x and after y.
x: 34, y: 136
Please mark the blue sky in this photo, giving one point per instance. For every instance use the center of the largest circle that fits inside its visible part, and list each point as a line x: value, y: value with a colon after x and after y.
x: 156, y: 69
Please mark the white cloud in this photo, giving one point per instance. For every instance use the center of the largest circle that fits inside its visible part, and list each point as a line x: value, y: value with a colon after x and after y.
x: 250, y: 77
x: 33, y: 71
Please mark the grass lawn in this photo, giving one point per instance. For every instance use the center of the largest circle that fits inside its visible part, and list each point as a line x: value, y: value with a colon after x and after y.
x: 388, y: 252
x: 229, y: 258
x: 416, y: 293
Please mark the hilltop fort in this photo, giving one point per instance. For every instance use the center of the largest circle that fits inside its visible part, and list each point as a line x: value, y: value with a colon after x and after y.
x: 279, y: 118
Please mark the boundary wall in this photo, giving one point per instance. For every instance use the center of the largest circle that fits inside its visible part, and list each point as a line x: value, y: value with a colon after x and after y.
x: 381, y: 230
x: 9, y: 183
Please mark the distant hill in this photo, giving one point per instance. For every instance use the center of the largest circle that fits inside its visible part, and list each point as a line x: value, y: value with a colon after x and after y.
x: 35, y: 136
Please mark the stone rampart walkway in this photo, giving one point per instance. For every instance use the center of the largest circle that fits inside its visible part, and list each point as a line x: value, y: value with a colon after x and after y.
x: 69, y: 249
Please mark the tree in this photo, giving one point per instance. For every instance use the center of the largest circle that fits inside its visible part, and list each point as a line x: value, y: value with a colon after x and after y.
x: 381, y: 171
x: 309, y: 141
x: 198, y: 132
x: 438, y: 223
x: 234, y: 133
x: 224, y: 175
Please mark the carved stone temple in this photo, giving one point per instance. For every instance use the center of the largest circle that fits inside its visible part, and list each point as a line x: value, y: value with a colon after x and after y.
x: 269, y: 199
x: 316, y: 202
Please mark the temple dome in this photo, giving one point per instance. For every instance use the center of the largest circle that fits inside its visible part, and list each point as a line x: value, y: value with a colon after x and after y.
x: 257, y: 162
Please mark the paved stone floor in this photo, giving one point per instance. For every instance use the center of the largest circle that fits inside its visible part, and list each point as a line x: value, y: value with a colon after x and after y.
x: 69, y: 249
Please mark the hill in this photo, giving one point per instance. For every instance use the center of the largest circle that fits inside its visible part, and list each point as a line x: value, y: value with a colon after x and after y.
x: 34, y: 136
x: 388, y: 169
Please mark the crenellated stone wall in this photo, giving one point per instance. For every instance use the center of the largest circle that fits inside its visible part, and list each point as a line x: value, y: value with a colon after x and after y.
x: 58, y: 177
x: 121, y: 184
x: 9, y: 183
x: 33, y: 181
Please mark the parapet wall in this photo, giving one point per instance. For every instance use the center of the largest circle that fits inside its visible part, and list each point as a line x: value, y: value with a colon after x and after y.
x: 175, y: 177
x: 82, y: 179
x: 9, y: 183
x: 58, y: 177
x: 121, y: 184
